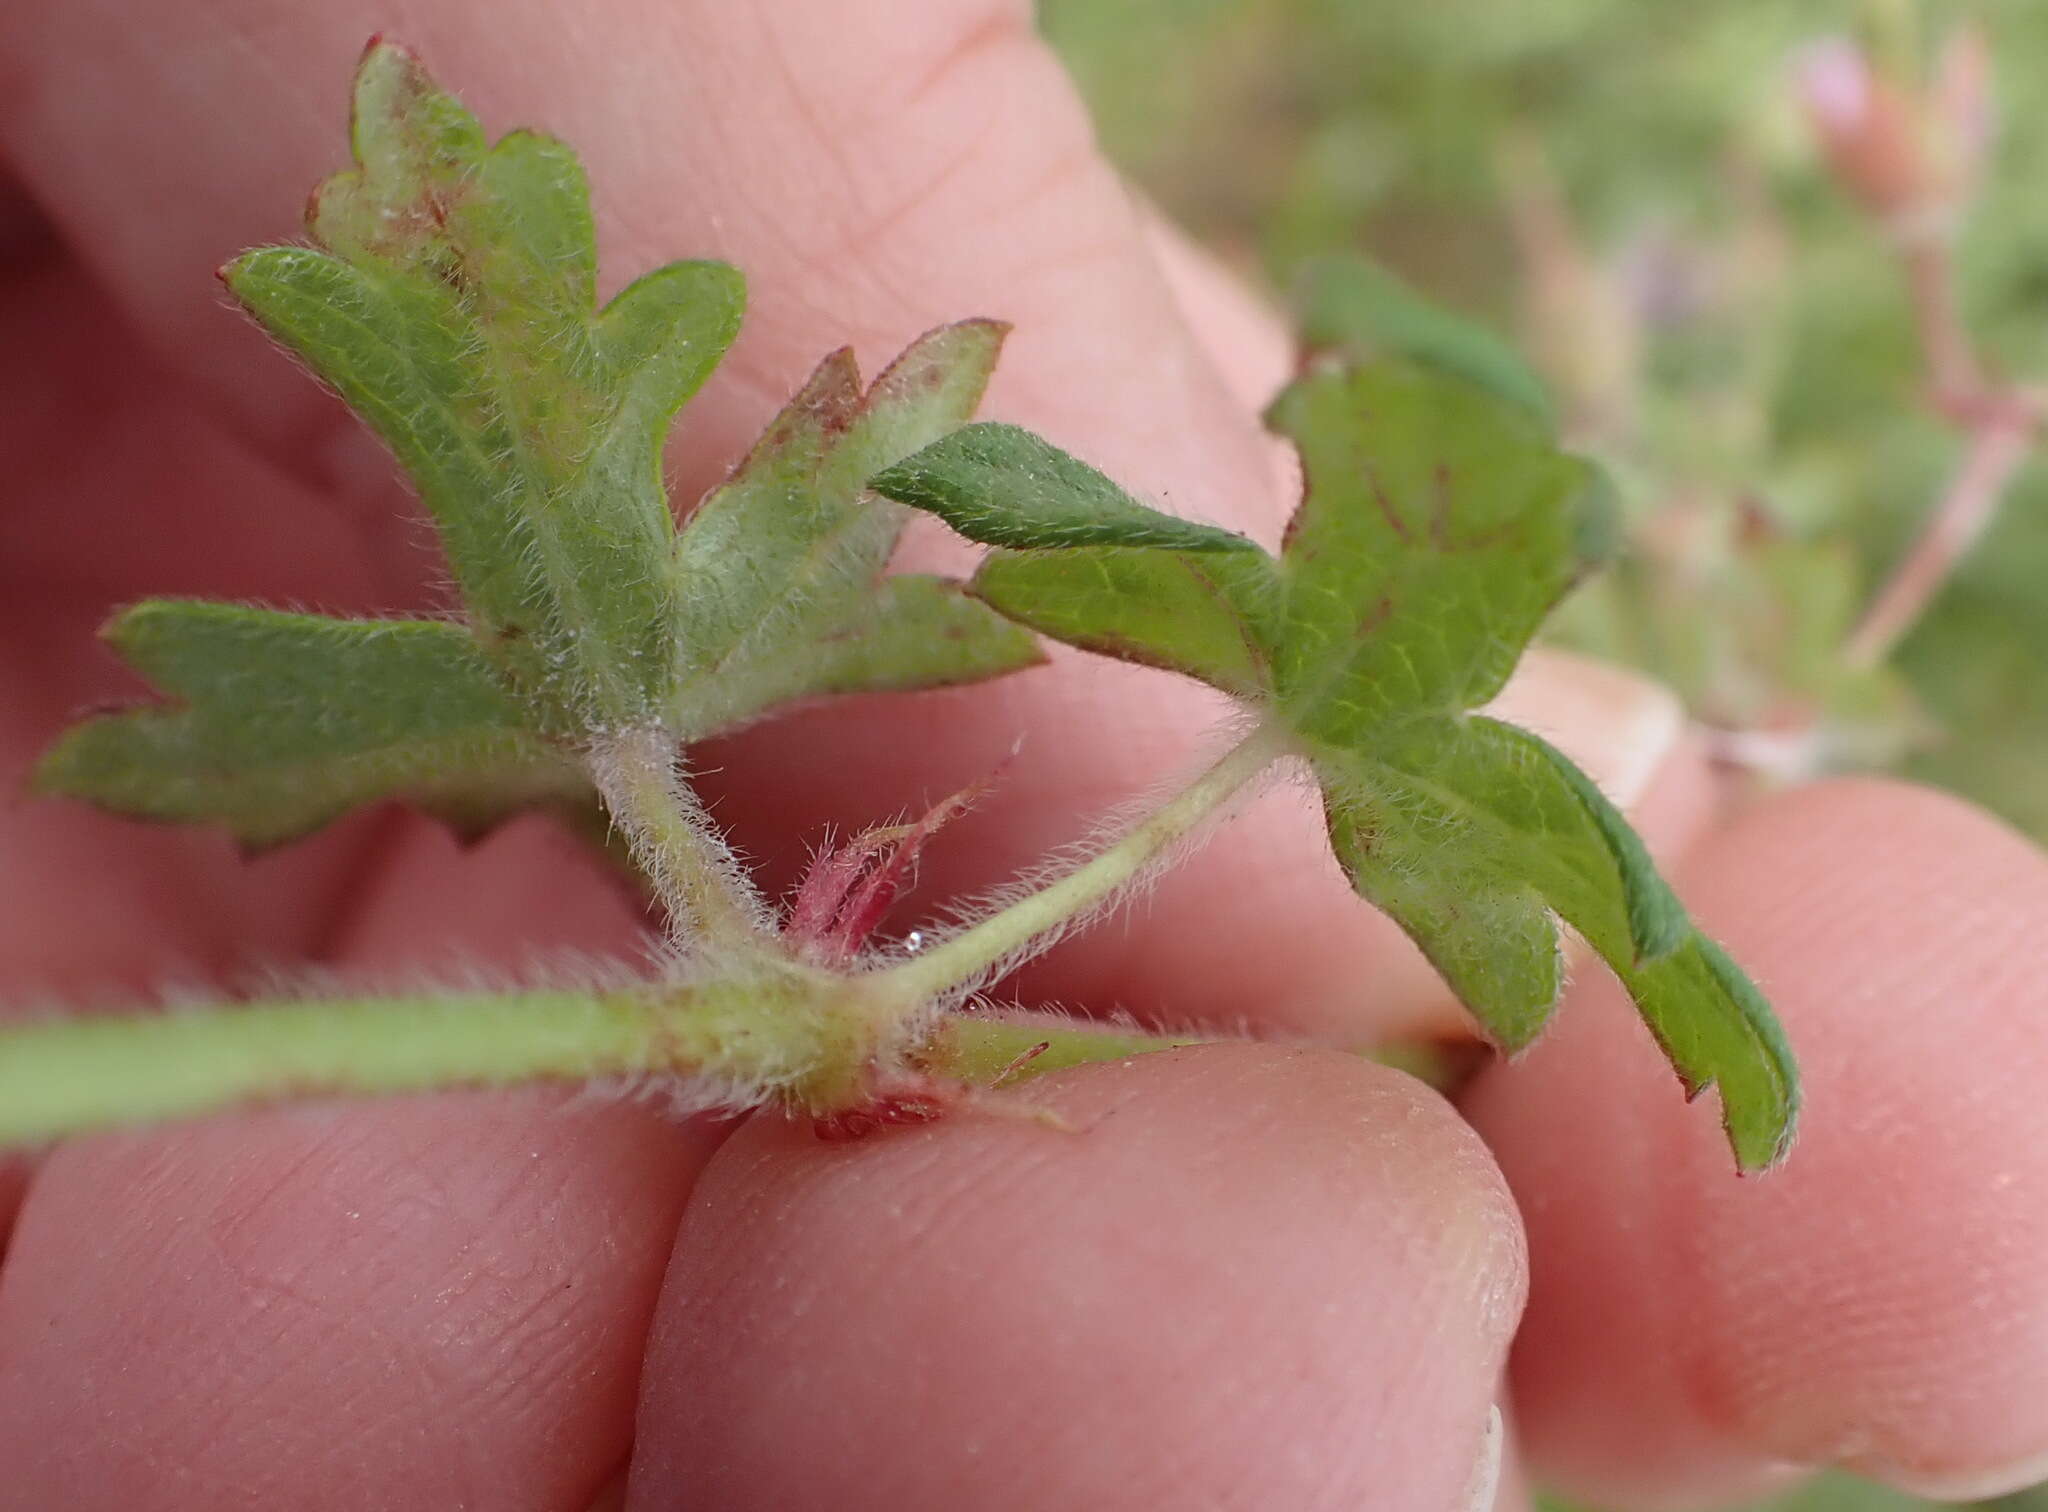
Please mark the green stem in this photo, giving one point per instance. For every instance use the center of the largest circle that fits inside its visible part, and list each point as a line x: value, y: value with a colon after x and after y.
x: 979, y: 1051
x: 980, y: 950
x: 70, y: 1076
x: 693, y: 871
x: 983, y: 1051
x: 765, y: 1027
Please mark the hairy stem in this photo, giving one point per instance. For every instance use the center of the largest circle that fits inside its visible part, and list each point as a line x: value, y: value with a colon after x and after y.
x: 978, y: 952
x: 763, y: 1028
x: 680, y: 850
x: 74, y: 1075
x: 1017, y: 1047
x: 81, y: 1076
x: 983, y: 1051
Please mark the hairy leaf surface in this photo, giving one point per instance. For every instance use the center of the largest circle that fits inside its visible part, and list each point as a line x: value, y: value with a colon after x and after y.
x: 1209, y: 614
x: 283, y: 721
x: 1440, y: 525
x: 452, y: 302
x: 782, y: 565
x: 1001, y: 485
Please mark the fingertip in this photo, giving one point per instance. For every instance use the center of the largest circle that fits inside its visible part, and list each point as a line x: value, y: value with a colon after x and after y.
x: 437, y: 1301
x: 1258, y: 1275
x: 1876, y: 1303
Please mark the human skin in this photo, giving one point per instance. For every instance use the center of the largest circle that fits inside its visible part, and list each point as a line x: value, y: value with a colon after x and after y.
x: 1260, y: 1277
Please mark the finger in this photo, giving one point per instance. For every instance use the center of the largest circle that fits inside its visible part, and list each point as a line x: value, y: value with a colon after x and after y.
x: 430, y: 1304
x: 1512, y: 1494
x: 14, y: 1174
x: 1243, y: 336
x: 1253, y: 1277
x: 126, y: 489
x: 530, y: 901
x: 872, y: 181
x: 424, y: 1303
x: 27, y: 239
x: 101, y: 912
x: 1877, y: 1303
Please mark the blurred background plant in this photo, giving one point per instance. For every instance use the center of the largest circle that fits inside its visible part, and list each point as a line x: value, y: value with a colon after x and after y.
x: 1768, y: 255
x: 1782, y: 264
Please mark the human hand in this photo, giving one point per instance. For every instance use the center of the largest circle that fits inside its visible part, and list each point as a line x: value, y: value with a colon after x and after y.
x: 1264, y: 1278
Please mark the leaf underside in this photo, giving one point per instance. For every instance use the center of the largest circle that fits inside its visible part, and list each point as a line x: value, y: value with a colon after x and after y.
x: 451, y: 300
x: 1439, y: 526
x: 282, y: 722
x: 784, y: 561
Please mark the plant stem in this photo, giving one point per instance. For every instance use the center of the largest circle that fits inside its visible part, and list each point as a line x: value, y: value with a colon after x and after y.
x: 693, y: 871
x: 72, y: 1075
x: 1017, y: 1047
x: 1999, y: 424
x: 763, y: 1027
x: 977, y: 953
x: 1954, y: 376
x: 1969, y: 505
x: 978, y: 1051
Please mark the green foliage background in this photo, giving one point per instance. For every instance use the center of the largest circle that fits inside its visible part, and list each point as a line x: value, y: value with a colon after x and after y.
x: 1280, y: 130
x: 1283, y: 129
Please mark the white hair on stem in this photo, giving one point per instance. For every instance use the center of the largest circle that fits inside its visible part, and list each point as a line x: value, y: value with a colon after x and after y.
x: 1182, y: 813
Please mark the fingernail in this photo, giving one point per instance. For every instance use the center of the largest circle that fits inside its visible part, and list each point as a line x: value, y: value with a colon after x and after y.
x: 1484, y: 1485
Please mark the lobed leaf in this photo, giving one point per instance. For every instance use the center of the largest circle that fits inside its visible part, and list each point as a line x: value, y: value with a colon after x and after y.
x: 1476, y: 836
x: 783, y: 563
x: 284, y: 721
x: 1438, y: 528
x: 451, y: 300
x: 454, y: 307
x: 1440, y: 525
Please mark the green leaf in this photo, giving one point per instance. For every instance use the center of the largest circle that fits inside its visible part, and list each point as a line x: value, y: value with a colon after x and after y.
x: 451, y: 301
x: 912, y: 632
x: 1475, y: 836
x: 1209, y: 614
x: 1003, y: 486
x: 783, y: 564
x: 1354, y: 306
x: 283, y: 721
x: 1515, y: 833
x: 454, y: 308
x: 1440, y: 526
